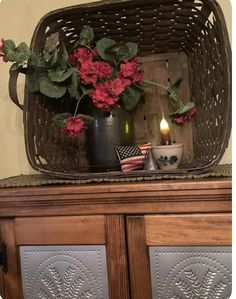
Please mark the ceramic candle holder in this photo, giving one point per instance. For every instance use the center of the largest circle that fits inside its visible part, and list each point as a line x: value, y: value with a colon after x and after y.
x: 168, y: 157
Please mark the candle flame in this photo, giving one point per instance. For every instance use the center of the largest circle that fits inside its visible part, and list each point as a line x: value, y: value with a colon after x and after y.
x: 164, y: 124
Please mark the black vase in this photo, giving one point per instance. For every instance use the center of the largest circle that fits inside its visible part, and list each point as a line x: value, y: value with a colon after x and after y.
x: 108, y: 130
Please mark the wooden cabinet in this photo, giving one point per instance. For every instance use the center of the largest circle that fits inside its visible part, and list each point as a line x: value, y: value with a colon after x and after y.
x: 150, y: 233
x: 126, y: 223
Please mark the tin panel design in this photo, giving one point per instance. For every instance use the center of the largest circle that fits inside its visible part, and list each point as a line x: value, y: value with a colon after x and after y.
x: 74, y: 272
x: 191, y: 272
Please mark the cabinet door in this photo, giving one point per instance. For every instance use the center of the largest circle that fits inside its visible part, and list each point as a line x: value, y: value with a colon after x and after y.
x: 1, y: 268
x: 59, y: 257
x: 181, y: 256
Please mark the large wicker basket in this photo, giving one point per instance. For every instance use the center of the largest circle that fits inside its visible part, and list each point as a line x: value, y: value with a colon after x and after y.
x: 176, y: 38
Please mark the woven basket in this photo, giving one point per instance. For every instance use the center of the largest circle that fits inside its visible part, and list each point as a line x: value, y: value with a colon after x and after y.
x: 175, y: 37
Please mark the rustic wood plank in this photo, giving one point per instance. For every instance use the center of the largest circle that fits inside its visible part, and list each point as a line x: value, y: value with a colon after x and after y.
x: 146, y: 197
x: 163, y: 68
x: 215, y: 204
x: 60, y: 230
x: 1, y: 272
x: 140, y: 275
x: 113, y: 188
x: 174, y: 230
x: 117, y: 258
x: 12, y: 283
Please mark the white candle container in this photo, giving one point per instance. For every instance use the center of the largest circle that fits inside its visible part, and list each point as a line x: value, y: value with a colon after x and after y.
x: 168, y: 157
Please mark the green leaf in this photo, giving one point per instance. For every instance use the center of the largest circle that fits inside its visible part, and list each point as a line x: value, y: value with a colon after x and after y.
x: 60, y: 120
x: 16, y: 54
x: 119, y: 51
x: 102, y: 45
x: 37, y: 61
x: 86, y: 36
x: 173, y: 95
x: 60, y: 75
x: 122, y: 51
x: 9, y: 50
x: 73, y: 87
x: 132, y: 50
x: 86, y: 118
x: 178, y: 82
x: 63, y: 56
x: 51, y: 42
x: 21, y: 53
x: 53, y: 59
x: 50, y: 89
x: 33, y: 79
x: 47, y: 56
x: 183, y: 109
x: 130, y: 97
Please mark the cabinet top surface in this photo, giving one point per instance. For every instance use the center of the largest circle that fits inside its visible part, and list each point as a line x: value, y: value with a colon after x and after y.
x: 165, y: 196
x: 126, y: 187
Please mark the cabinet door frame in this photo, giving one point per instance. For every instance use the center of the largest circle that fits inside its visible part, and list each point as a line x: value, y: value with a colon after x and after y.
x: 77, y: 230
x: 1, y: 272
x: 164, y: 230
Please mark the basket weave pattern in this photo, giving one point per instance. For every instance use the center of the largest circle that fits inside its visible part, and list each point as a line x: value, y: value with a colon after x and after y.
x: 194, y: 27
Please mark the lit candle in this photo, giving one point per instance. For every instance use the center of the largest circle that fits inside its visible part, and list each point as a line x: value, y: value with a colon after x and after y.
x: 165, y: 132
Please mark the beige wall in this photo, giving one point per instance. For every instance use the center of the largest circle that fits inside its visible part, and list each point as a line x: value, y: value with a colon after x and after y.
x: 18, y: 20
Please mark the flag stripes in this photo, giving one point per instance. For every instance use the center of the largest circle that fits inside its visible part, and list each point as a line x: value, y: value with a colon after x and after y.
x: 132, y: 157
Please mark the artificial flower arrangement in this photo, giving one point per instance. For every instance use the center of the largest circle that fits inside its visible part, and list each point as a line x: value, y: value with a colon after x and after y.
x: 107, y: 72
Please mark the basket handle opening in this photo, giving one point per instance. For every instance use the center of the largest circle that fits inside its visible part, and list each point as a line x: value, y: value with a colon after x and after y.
x: 12, y: 86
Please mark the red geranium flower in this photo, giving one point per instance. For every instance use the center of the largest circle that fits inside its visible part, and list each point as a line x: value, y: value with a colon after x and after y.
x: 103, y: 69
x: 81, y: 55
x: 104, y: 96
x: 179, y: 120
x: 131, y: 70
x: 117, y: 87
x: 125, y: 81
x: 182, y: 119
x: 88, y: 72
x: 191, y: 113
x: 2, y: 54
x: 74, y: 126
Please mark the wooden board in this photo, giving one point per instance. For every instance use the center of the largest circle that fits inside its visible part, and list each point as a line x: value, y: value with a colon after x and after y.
x: 1, y: 272
x: 117, y: 257
x: 60, y: 230
x: 12, y: 281
x: 188, y: 230
x: 139, y: 264
x: 163, y: 68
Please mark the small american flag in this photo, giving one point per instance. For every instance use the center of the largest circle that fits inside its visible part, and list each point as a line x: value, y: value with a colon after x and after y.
x: 132, y: 157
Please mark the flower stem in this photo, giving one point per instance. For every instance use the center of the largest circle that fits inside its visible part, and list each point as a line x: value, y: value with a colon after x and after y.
x: 77, y: 105
x: 157, y: 84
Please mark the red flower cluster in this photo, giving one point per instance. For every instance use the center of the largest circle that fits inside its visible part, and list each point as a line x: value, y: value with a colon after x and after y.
x: 106, y: 95
x: 81, y: 55
x: 182, y: 119
x: 90, y: 71
x: 98, y: 73
x: 74, y: 126
x: 131, y: 70
x: 2, y: 43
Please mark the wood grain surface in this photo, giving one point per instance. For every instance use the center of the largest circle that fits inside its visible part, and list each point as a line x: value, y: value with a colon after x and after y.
x: 180, y: 196
x: 12, y: 279
x: 117, y: 257
x: 1, y: 272
x: 139, y: 264
x: 188, y: 230
x: 60, y: 230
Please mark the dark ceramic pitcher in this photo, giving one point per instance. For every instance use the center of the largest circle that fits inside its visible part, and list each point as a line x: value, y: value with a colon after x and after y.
x: 108, y: 130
